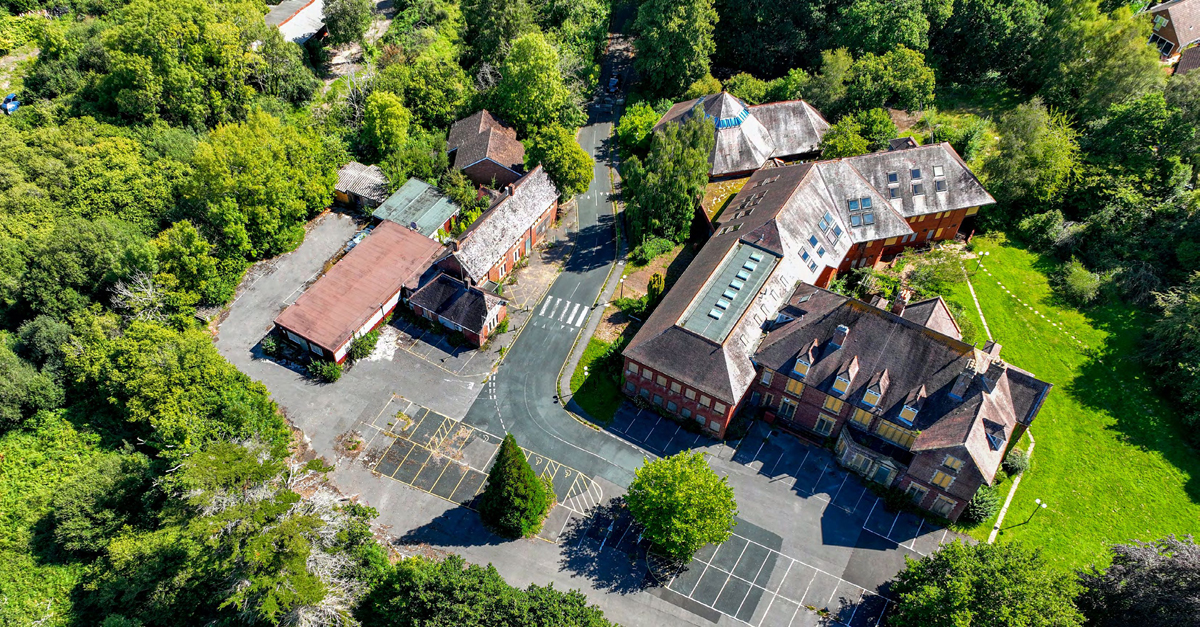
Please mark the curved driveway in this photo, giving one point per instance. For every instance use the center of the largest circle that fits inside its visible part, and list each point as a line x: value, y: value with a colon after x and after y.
x: 519, y: 398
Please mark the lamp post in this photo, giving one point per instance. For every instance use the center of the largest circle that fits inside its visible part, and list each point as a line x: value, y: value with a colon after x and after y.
x: 1038, y: 505
x: 622, y: 287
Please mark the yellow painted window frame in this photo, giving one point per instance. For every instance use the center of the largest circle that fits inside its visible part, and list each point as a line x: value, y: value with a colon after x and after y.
x: 862, y: 417
x: 833, y: 404
x: 794, y: 387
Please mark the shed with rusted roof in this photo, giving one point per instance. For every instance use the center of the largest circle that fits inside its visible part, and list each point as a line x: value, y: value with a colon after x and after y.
x: 359, y: 290
x: 419, y: 206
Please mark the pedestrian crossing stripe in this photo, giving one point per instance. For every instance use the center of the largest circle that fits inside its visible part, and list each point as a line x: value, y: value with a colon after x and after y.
x: 564, y: 311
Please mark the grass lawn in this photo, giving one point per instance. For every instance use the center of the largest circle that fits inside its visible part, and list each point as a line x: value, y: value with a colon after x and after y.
x: 1110, y: 458
x: 597, y: 394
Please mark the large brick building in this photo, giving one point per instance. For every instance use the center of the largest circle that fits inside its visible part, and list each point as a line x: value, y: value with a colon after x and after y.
x: 906, y: 402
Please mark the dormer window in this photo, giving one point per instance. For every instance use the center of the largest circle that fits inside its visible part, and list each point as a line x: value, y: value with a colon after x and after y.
x: 908, y: 414
x: 841, y: 384
x: 871, y: 397
x: 801, y: 367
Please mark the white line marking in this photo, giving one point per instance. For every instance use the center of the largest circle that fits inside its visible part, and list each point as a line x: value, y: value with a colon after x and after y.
x: 582, y: 316
x: 774, y: 593
x: 571, y: 315
x: 545, y: 304
x: 554, y: 310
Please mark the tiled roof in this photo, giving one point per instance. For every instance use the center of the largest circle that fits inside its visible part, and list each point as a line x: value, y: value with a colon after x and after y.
x: 934, y: 314
x: 420, y: 205
x: 483, y: 136
x: 913, y: 356
x: 1185, y: 18
x: 355, y: 288
x: 1188, y: 61
x: 746, y: 137
x: 963, y: 189
x: 367, y: 181
x: 468, y: 307
x: 499, y: 228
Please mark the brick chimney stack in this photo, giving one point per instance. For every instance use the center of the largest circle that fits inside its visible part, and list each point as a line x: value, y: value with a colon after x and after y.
x: 901, y: 301
x: 839, y: 336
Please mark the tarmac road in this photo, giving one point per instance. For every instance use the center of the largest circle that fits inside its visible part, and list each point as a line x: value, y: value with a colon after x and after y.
x: 520, y: 398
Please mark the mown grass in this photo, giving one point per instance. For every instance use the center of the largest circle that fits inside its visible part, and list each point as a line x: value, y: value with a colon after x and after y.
x: 596, y: 393
x: 1110, y: 460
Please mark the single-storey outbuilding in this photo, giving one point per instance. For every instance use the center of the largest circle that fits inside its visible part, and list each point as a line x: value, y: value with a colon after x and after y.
x: 486, y: 150
x: 459, y: 307
x: 360, y: 186
x: 359, y: 291
x: 420, y: 207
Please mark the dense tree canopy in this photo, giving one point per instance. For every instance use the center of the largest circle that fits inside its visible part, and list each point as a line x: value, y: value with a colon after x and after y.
x: 1151, y: 584
x: 515, y: 501
x: 1038, y: 155
x: 1002, y: 585
x: 878, y: 26
x: 675, y: 40
x: 347, y: 20
x: 663, y: 191
x: 567, y: 163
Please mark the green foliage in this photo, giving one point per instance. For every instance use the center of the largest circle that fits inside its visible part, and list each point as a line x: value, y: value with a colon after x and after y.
x: 1152, y: 584
x: 655, y: 288
x: 636, y: 128
x: 420, y: 591
x: 277, y: 68
x: 185, y: 62
x: 385, y: 123
x: 1016, y: 462
x: 674, y: 42
x: 183, y: 253
x: 791, y: 86
x: 172, y: 388
x: 878, y: 26
x: 43, y: 342
x: 991, y: 36
x: 931, y: 273
x: 844, y: 139
x: 325, y: 371
x: 1096, y: 59
x: 1002, y: 584
x: 751, y: 90
x: 422, y: 156
x: 255, y: 183
x: 767, y: 38
x: 663, y: 192
x: 876, y: 127
x: 347, y: 20
x: 23, y: 390
x: 898, y: 79
x: 1037, y: 157
x: 682, y: 504
x: 1174, y: 342
x: 982, y: 506
x: 704, y: 86
x: 515, y: 502
x: 363, y: 345
x: 17, y: 31
x: 1077, y: 284
x: 568, y: 164
x: 532, y: 67
x: 494, y: 24
x: 95, y: 505
x: 827, y: 88
x: 271, y: 346
x: 650, y: 249
x: 967, y: 133
x: 434, y: 87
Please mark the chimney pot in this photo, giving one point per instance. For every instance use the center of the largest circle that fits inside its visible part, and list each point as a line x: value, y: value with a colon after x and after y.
x: 839, y: 335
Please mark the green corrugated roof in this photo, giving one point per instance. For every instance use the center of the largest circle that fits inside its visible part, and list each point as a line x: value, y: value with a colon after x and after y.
x: 417, y: 203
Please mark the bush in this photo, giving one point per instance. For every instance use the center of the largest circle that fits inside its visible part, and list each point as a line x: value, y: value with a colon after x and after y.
x: 362, y: 346
x: 502, y: 327
x: 751, y: 90
x: 1042, y: 230
x: 1077, y: 284
x: 270, y: 346
x: 1016, y: 462
x: 705, y: 86
x: 983, y: 505
x: 650, y: 249
x: 515, y: 502
x: 325, y: 371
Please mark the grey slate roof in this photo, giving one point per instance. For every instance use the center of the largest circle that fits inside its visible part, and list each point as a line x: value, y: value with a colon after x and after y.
x: 934, y: 314
x: 1188, y: 61
x: 963, y: 189
x: 418, y: 205
x: 499, y: 228
x: 483, y: 136
x: 913, y: 356
x: 746, y: 137
x: 468, y: 307
x: 367, y: 181
x: 1185, y: 17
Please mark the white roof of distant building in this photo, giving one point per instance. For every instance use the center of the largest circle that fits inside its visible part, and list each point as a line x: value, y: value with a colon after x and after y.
x: 298, y: 20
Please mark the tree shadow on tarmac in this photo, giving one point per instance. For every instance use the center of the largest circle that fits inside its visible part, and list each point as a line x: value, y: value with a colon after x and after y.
x: 605, y: 548
x: 457, y: 527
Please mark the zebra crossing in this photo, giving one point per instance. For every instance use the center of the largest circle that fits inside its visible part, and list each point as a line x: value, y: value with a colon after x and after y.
x: 564, y: 311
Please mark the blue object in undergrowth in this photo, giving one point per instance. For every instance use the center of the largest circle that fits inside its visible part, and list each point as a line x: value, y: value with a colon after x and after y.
x: 10, y: 104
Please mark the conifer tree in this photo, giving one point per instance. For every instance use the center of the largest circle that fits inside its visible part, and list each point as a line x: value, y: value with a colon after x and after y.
x: 515, y: 502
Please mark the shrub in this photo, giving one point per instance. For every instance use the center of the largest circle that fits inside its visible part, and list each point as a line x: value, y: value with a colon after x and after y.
x: 502, y: 327
x: 515, y: 501
x: 325, y: 371
x: 650, y: 249
x: 270, y: 346
x: 1042, y: 230
x: 1016, y: 462
x: 752, y: 90
x: 1077, y: 284
x: 362, y: 346
x: 983, y: 505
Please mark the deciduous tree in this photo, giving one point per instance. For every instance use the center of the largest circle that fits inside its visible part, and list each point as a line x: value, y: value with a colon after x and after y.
x: 1038, y: 154
x: 662, y: 192
x: 1149, y: 584
x: 682, y: 504
x: 878, y: 26
x: 675, y: 39
x: 1000, y: 585
x: 385, y: 123
x: 567, y: 163
x: 898, y: 79
x: 844, y: 139
x: 532, y: 92
x: 347, y: 20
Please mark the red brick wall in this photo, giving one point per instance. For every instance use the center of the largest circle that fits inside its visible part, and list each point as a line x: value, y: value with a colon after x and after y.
x: 654, y: 387
x: 949, y: 222
x: 809, y: 405
x: 505, y: 264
